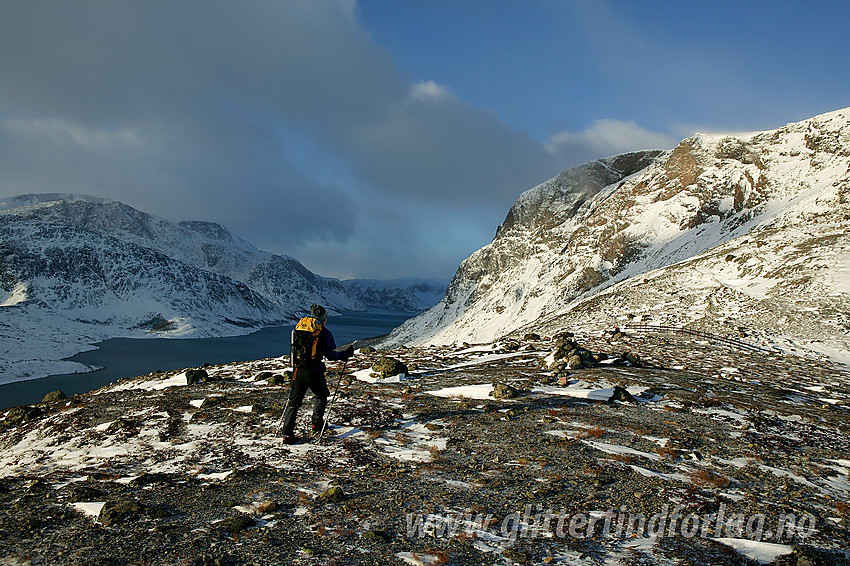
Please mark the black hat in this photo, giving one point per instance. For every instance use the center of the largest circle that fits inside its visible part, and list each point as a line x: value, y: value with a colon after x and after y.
x: 319, y: 313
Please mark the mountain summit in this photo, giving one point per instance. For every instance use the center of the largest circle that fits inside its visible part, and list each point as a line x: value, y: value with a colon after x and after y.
x: 744, y: 234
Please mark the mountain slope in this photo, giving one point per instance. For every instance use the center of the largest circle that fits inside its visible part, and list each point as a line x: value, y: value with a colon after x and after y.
x: 406, y: 295
x: 747, y: 231
x: 75, y: 270
x: 204, y: 245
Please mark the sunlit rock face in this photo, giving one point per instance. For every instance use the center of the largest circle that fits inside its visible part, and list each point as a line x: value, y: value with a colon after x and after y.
x: 744, y: 233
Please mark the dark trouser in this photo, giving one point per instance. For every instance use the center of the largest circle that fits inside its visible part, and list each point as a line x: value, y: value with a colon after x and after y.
x: 314, y: 381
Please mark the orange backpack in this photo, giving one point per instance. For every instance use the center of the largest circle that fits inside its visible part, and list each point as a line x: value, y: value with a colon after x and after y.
x: 305, y: 342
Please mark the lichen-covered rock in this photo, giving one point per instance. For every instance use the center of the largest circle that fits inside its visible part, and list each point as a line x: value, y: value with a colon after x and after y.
x: 54, y: 396
x: 633, y: 359
x: 237, y: 523
x: 514, y: 556
x: 503, y: 391
x: 388, y: 367
x: 621, y: 394
x: 120, y: 511
x: 376, y: 536
x: 278, y: 379
x: 334, y: 494
x: 213, y: 401
x: 123, y: 425
x: 19, y: 415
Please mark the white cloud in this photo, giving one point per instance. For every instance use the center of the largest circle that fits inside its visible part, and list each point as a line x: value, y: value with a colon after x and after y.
x: 605, y: 138
x: 429, y: 90
x: 58, y: 130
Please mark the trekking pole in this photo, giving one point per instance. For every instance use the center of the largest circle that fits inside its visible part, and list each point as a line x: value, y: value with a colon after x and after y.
x: 327, y: 409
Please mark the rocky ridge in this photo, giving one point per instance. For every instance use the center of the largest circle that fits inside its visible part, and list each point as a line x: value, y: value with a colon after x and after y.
x: 748, y: 233
x: 436, y: 466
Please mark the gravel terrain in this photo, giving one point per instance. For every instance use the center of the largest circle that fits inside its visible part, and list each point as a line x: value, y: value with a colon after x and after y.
x: 688, y: 453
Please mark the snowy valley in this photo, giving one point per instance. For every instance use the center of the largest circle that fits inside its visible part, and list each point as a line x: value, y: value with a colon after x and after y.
x: 76, y: 270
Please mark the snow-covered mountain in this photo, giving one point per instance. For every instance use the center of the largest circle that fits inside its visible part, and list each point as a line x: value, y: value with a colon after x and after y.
x: 744, y: 234
x: 204, y: 245
x: 75, y: 270
x: 408, y: 295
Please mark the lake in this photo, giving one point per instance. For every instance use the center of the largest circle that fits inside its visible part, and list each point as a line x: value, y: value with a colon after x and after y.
x: 129, y: 357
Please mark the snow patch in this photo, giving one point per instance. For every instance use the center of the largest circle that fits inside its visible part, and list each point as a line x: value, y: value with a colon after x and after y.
x: 761, y: 552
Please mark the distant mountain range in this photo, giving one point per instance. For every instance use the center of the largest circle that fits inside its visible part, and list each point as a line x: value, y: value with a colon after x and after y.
x: 745, y: 235
x: 76, y: 269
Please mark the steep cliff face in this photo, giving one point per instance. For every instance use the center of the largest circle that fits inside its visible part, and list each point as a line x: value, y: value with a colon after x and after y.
x: 762, y: 217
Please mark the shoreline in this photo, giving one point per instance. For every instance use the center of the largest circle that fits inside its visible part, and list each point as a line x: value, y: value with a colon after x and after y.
x: 121, y: 357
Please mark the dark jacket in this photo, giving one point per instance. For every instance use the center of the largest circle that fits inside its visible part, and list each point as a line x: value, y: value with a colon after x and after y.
x: 327, y: 346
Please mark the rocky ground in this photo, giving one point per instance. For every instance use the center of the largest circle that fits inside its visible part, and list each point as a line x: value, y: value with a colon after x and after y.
x: 682, y: 452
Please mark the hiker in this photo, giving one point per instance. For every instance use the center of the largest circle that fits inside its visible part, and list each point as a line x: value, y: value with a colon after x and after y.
x: 311, y: 342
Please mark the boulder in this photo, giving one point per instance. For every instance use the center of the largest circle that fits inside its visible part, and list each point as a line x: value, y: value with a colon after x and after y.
x: 118, y: 511
x: 503, y: 391
x: 805, y: 555
x: 19, y: 415
x: 515, y: 556
x: 621, y: 394
x: 376, y: 536
x: 574, y: 362
x: 367, y: 350
x: 194, y: 376
x: 213, y: 401
x: 85, y: 493
x: 333, y: 494
x: 277, y: 379
x: 236, y: 523
x: 267, y: 506
x: 54, y: 396
x: 153, y: 478
x: 122, y: 425
x: 388, y: 367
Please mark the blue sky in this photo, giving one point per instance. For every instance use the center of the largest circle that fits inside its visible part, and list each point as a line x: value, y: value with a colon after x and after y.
x: 384, y: 138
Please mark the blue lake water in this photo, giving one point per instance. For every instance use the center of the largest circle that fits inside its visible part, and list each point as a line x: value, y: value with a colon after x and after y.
x: 129, y: 357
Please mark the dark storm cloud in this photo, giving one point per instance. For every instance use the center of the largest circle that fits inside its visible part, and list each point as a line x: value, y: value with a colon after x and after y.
x: 282, y: 120
x: 188, y: 109
x: 171, y: 106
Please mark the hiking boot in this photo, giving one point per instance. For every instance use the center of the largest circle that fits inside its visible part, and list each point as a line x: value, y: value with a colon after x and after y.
x: 317, y: 428
x: 289, y: 439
